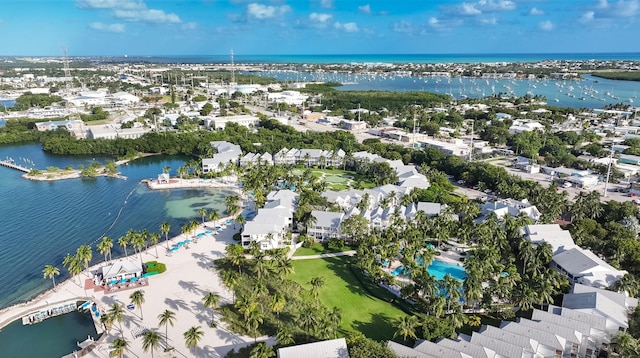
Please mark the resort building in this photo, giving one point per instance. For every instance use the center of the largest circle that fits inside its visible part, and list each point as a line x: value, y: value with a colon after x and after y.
x: 73, y: 126
x: 225, y: 153
x: 560, y: 240
x: 109, y: 131
x: 585, y: 267
x: 271, y: 224
x: 120, y: 270
x: 310, y: 157
x: 511, y: 207
x: 256, y: 159
x: 327, y: 225
x: 587, y: 322
x: 219, y: 123
x: 288, y: 97
x: 334, y: 348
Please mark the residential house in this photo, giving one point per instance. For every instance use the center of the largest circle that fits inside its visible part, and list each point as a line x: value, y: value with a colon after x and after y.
x: 272, y: 223
x: 559, y: 239
x: 511, y: 207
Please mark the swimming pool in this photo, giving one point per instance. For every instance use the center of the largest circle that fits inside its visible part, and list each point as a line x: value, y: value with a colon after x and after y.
x: 438, y: 269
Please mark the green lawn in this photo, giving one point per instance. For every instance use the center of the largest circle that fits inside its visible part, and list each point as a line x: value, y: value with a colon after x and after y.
x: 316, y: 249
x: 360, y: 311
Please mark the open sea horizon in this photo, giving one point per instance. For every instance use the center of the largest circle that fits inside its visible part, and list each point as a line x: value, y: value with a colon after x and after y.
x: 371, y: 58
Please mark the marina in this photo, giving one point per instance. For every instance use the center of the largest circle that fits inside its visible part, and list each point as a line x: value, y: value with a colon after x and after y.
x: 10, y: 163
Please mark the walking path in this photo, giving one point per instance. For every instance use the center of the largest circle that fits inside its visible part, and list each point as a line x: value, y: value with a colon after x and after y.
x: 190, y: 275
x: 324, y: 256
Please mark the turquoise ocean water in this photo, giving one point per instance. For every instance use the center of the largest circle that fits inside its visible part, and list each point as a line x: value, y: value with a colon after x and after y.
x: 43, y: 221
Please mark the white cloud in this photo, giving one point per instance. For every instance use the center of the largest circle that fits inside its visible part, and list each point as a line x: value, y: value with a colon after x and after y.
x: 489, y: 21
x: 365, y: 9
x: 319, y: 17
x: 403, y: 26
x: 347, y: 27
x: 620, y: 8
x: 263, y: 12
x: 587, y: 16
x: 468, y: 9
x: 147, y: 15
x: 110, y: 4
x: 546, y: 25
x: 107, y: 27
x: 327, y: 4
x: 189, y: 26
x: 535, y: 11
x: 475, y: 8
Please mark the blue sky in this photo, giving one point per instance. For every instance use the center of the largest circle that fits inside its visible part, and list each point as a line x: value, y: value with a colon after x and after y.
x: 210, y: 27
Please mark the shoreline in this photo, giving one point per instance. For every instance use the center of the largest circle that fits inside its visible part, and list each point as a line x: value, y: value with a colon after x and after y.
x: 177, y: 183
x: 76, y: 173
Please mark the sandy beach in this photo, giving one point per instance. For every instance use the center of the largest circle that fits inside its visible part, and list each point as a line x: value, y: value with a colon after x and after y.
x: 190, y: 275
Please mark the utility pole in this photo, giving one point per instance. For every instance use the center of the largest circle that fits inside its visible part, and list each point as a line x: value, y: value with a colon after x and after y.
x: 606, y: 184
x: 471, y: 146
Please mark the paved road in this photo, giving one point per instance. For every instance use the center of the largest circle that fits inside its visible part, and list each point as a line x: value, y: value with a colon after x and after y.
x: 324, y: 256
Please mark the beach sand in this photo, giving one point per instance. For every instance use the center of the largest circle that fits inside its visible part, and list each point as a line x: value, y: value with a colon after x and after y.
x: 189, y: 276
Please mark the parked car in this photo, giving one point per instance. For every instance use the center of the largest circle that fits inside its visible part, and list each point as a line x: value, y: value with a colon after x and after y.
x: 567, y: 184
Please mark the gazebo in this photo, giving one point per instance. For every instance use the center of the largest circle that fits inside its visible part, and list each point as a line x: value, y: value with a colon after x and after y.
x: 121, y: 270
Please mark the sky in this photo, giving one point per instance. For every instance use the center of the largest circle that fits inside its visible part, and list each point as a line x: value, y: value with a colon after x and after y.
x: 260, y: 27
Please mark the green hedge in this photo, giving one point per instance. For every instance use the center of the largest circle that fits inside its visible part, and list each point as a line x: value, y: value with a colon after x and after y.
x: 154, y: 267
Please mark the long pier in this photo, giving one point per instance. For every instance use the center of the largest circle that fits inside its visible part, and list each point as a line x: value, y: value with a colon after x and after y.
x: 10, y: 163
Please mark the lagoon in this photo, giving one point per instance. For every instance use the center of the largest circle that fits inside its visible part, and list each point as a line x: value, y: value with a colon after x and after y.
x: 43, y: 221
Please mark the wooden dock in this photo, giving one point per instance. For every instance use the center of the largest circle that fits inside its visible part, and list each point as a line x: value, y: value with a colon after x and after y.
x: 10, y: 163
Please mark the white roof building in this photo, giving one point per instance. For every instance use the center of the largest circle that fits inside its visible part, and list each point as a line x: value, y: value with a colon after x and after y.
x: 509, y: 207
x: 552, y: 234
x: 226, y: 153
x: 583, y: 266
x: 334, y: 348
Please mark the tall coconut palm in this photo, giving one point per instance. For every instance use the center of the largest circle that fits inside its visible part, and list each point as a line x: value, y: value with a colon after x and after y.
x: 118, y: 346
x: 235, y: 255
x: 51, y: 272
x: 73, y: 265
x: 150, y: 340
x: 166, y: 319
x: 254, y: 319
x: 214, y: 216
x: 116, y: 313
x: 137, y: 241
x: 230, y: 279
x: 240, y: 219
x: 278, y: 301
x: 164, y: 228
x: 155, y: 238
x: 335, y: 316
x: 406, y: 327
x: 185, y: 229
x: 262, y: 351
x: 316, y: 284
x: 137, y: 298
x: 85, y: 255
x: 104, y: 247
x: 203, y: 213
x: 192, y: 337
x: 211, y: 301
x: 123, y: 241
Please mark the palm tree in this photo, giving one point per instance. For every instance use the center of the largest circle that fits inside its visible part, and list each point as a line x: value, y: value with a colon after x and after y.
x: 626, y: 345
x: 116, y: 313
x: 230, y: 279
x: 166, y: 169
x: 85, y: 255
x: 118, y: 346
x: 335, y: 316
x: 239, y: 220
x: 284, y: 336
x: 166, y: 319
x: 105, y: 246
x: 231, y: 203
x: 316, y: 284
x: 73, y: 265
x: 193, y: 336
x: 51, y: 272
x: 155, y: 238
x: 254, y: 319
x: 406, y: 327
x: 164, y: 228
x: 214, y: 216
x: 235, y: 254
x: 123, y: 241
x: 278, y: 301
x: 150, y: 341
x: 203, y: 213
x: 137, y: 298
x: 211, y: 301
x: 262, y: 351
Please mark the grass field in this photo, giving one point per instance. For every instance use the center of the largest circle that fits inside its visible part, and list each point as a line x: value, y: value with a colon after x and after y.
x: 337, y: 179
x: 360, y: 311
x: 316, y: 249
